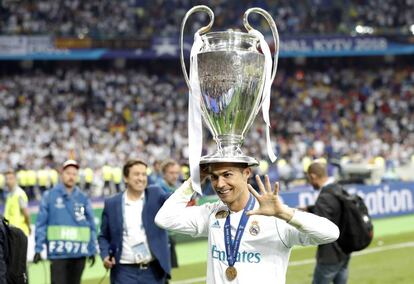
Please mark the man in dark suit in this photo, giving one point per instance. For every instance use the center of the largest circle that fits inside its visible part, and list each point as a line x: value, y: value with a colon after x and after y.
x: 131, y: 245
x: 331, y: 261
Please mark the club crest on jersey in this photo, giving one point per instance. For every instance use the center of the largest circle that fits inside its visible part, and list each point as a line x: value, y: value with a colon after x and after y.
x: 254, y: 228
x: 222, y: 214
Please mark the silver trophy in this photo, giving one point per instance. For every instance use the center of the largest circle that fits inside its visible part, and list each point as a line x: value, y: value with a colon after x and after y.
x: 231, y: 80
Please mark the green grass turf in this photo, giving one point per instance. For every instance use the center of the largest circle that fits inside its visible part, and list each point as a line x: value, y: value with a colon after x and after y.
x: 380, y: 267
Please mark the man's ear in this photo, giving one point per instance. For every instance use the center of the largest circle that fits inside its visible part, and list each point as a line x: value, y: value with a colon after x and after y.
x: 313, y: 176
x: 247, y: 172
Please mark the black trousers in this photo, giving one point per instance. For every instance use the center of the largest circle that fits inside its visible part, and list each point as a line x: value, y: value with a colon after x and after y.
x: 67, y: 271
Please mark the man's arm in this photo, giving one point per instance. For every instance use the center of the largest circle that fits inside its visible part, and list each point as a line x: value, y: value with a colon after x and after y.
x: 104, y: 234
x: 176, y: 216
x: 41, y: 222
x: 90, y: 216
x: 24, y: 208
x: 305, y: 229
x: 308, y: 229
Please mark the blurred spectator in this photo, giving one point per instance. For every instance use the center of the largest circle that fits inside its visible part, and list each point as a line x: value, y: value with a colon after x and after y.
x: 170, y: 170
x: 146, y: 18
x: 16, y: 208
x: 102, y: 117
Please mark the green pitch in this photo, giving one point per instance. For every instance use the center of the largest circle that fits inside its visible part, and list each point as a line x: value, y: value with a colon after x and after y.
x: 389, y: 259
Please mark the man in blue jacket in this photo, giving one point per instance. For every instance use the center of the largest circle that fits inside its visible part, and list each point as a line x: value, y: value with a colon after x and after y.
x: 66, y: 225
x: 130, y: 243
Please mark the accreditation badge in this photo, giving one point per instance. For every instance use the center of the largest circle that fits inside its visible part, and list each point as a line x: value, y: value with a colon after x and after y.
x: 254, y: 229
x: 141, y: 253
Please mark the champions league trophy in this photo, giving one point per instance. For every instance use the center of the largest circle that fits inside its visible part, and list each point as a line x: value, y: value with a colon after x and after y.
x: 230, y: 80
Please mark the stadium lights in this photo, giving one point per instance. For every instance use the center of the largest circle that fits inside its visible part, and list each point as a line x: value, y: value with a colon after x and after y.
x: 364, y: 29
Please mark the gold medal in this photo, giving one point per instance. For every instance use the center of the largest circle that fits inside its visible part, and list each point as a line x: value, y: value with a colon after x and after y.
x: 222, y: 214
x: 231, y: 273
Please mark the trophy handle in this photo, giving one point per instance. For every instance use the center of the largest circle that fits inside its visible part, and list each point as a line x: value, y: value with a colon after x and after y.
x: 202, y: 30
x: 273, y: 28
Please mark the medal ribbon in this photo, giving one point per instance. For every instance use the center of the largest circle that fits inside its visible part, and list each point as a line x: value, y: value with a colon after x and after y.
x: 232, y: 248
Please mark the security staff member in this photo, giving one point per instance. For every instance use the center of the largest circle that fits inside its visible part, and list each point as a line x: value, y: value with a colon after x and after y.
x: 66, y: 225
x: 88, y: 175
x: 16, y: 210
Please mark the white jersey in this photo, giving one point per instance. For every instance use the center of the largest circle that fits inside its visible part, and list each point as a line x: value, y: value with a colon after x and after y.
x: 265, y: 246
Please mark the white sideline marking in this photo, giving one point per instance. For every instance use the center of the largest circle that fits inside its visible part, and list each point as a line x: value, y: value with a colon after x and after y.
x: 310, y: 261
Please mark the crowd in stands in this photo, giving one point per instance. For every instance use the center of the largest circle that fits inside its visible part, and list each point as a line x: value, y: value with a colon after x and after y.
x: 143, y: 18
x: 102, y: 117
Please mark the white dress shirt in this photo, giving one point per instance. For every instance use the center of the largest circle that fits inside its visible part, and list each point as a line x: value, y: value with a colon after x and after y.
x: 133, y: 230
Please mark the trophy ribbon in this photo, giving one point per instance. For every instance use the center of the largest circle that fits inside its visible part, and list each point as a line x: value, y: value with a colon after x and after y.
x: 195, y: 129
x: 266, y: 90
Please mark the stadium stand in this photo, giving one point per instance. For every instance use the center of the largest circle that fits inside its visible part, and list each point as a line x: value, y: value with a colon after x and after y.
x: 101, y: 117
x: 144, y: 18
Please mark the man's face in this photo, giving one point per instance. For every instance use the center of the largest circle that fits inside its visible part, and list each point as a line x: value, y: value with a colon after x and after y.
x: 172, y: 174
x: 137, y: 178
x: 11, y: 181
x: 69, y: 176
x: 229, y: 181
x: 313, y: 181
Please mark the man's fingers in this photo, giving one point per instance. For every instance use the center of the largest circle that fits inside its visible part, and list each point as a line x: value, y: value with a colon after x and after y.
x: 276, y: 188
x: 267, y: 184
x: 260, y: 184
x: 253, y: 191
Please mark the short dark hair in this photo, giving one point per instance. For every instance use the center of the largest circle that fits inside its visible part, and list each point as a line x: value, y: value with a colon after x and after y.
x: 318, y: 169
x: 240, y: 166
x: 129, y: 164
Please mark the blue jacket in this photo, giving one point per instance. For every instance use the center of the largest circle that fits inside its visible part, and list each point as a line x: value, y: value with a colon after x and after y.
x: 66, y: 224
x: 110, y: 237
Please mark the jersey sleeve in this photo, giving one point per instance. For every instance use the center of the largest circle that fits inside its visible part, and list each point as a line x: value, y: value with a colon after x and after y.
x: 307, y: 229
x: 41, y: 222
x: 174, y: 215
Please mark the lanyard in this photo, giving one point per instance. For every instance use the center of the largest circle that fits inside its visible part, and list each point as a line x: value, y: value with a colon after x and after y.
x: 232, y: 247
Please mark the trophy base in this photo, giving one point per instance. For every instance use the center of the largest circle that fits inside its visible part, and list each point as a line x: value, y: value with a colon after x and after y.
x: 212, y: 159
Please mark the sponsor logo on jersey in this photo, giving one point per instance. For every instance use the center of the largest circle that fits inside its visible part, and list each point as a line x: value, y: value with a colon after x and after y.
x: 242, y: 256
x: 216, y: 225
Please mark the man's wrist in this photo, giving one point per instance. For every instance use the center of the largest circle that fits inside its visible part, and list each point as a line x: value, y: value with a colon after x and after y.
x: 287, y: 214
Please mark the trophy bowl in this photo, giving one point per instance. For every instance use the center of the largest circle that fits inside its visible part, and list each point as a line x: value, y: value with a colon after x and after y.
x: 231, y: 79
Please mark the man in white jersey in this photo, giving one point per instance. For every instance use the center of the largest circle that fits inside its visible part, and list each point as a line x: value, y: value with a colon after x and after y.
x: 250, y: 235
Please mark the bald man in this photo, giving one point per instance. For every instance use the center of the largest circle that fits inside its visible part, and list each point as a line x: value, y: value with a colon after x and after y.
x: 331, y: 261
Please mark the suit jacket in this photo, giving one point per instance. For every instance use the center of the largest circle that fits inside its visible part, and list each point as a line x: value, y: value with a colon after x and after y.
x: 328, y: 205
x: 110, y: 237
